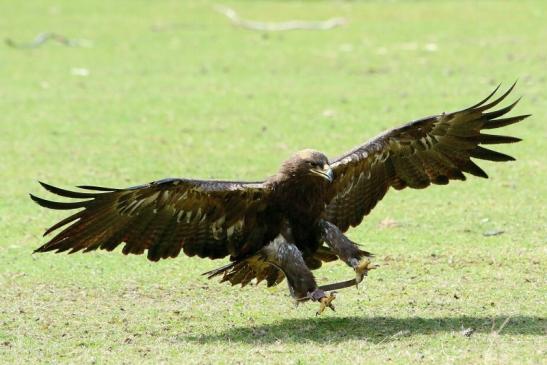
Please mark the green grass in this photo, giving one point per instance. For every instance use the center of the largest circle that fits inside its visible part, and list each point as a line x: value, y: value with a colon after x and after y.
x: 200, y: 98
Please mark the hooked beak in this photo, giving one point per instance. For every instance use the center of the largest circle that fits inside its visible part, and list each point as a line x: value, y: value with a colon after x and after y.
x: 325, y: 173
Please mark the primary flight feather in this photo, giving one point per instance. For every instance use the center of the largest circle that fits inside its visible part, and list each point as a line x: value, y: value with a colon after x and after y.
x: 288, y: 224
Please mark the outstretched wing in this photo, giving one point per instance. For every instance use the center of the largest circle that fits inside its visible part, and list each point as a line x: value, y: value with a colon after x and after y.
x: 205, y: 218
x: 434, y: 150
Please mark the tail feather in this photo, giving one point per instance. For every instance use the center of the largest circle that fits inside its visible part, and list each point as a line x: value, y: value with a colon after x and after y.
x: 244, y: 271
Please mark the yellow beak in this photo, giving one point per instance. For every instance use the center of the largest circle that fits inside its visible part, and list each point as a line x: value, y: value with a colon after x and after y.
x: 325, y: 173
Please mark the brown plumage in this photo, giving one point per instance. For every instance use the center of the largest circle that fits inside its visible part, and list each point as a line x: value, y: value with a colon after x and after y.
x: 278, y: 227
x: 432, y: 150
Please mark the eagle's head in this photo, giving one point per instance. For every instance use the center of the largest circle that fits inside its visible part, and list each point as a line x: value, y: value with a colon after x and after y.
x: 308, y: 162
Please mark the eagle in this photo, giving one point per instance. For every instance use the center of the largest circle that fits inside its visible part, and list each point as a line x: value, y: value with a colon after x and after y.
x: 291, y: 222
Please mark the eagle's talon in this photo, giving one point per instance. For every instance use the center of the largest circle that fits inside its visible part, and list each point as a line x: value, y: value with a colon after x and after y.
x: 361, y: 270
x: 325, y: 302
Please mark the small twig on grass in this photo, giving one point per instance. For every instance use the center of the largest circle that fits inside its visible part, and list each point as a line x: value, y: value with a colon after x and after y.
x: 276, y: 27
x: 394, y: 336
x: 493, y: 337
x: 44, y: 37
x: 503, y: 325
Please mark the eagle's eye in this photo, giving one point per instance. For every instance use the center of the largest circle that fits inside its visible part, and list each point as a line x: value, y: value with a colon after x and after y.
x: 313, y: 164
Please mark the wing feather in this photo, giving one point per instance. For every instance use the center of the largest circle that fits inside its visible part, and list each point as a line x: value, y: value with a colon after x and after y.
x: 205, y: 218
x: 432, y: 150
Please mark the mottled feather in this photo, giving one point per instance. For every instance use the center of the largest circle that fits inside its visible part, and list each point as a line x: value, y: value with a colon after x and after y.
x: 204, y: 218
x: 432, y: 150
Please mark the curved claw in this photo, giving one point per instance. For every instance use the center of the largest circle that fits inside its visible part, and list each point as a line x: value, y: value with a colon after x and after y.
x: 325, y: 302
x: 362, y: 269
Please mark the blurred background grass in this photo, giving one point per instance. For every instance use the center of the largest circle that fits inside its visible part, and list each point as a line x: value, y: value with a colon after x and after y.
x: 171, y: 88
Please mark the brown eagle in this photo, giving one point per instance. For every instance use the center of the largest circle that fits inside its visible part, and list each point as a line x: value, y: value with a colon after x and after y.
x: 288, y: 224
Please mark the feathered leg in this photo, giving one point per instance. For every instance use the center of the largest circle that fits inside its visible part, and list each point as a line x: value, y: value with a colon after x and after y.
x: 346, y: 250
x: 302, y: 285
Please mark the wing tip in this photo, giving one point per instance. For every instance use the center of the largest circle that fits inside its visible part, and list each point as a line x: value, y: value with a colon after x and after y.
x: 40, y: 249
x: 96, y: 188
x: 37, y: 199
x: 492, y: 104
x: 44, y: 184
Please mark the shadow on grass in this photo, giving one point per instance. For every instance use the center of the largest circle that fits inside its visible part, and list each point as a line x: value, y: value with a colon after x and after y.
x: 374, y: 329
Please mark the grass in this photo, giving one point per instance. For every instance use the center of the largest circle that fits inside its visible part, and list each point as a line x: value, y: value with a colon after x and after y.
x: 174, y: 90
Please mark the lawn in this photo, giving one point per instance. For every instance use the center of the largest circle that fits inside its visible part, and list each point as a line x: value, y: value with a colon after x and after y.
x: 170, y: 88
